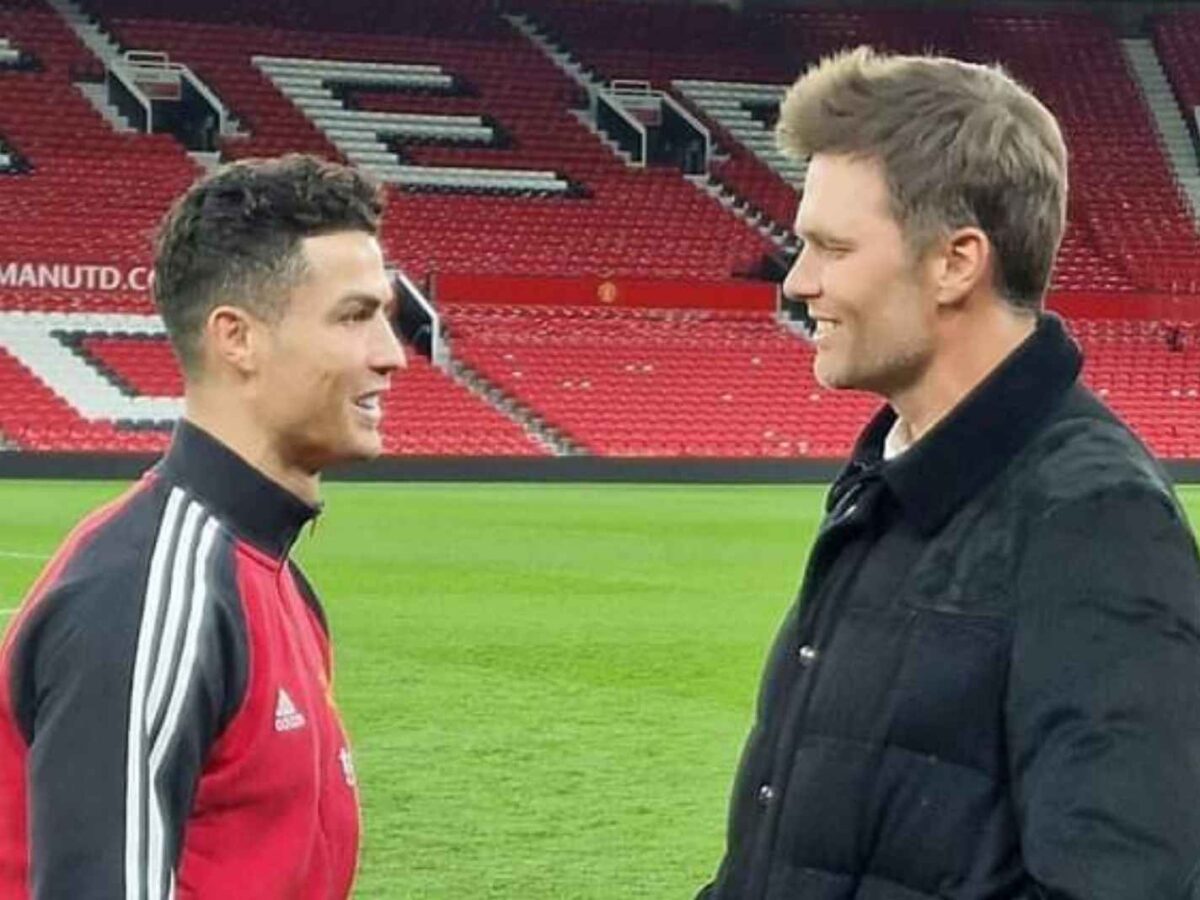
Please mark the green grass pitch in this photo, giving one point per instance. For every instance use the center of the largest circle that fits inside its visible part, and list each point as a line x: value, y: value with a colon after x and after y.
x: 547, y: 685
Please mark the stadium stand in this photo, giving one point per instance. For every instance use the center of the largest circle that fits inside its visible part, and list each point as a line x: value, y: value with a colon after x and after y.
x: 629, y: 382
x: 34, y: 417
x: 424, y: 414
x: 96, y: 193
x: 121, y: 371
x: 697, y: 383
x: 625, y: 222
x: 463, y: 107
x: 1149, y: 372
x: 1128, y: 227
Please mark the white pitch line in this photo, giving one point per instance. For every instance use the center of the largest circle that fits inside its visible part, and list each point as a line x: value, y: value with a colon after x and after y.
x: 17, y: 554
x: 4, y: 612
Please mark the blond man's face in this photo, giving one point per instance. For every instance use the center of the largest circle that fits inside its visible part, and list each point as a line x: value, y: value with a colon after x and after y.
x: 872, y: 305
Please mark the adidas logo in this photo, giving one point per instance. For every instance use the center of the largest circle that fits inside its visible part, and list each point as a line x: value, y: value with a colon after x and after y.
x: 287, y: 717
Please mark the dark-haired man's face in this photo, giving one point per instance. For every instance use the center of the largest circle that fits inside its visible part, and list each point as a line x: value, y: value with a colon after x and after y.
x: 328, y: 360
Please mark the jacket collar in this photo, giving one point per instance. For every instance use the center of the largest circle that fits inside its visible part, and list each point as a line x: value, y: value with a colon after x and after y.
x: 250, y: 504
x: 971, y: 445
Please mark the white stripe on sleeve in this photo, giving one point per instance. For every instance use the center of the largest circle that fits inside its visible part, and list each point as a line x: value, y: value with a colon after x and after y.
x: 135, y: 752
x: 157, y: 862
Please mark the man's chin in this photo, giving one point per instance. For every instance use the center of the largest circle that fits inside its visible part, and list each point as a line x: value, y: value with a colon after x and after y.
x: 369, y: 448
x: 829, y: 377
x: 363, y: 446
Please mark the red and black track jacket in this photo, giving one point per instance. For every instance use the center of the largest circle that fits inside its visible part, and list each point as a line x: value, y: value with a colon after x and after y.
x: 166, y: 723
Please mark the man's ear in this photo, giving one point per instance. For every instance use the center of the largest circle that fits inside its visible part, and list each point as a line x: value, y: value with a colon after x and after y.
x: 964, y: 264
x: 233, y: 338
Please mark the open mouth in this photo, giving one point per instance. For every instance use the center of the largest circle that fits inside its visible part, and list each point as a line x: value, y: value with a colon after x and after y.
x: 818, y: 327
x: 369, y: 404
x: 822, y: 328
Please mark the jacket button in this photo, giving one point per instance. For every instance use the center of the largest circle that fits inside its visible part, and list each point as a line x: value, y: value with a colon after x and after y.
x: 807, y: 654
x: 766, y: 794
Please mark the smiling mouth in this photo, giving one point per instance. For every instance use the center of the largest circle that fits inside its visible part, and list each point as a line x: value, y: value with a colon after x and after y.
x: 817, y: 328
x: 822, y: 328
x: 370, y: 405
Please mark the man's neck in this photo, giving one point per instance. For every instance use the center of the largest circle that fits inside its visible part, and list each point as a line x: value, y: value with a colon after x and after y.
x: 236, y: 429
x: 970, y: 353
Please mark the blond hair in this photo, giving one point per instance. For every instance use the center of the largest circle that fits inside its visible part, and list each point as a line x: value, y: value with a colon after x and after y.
x: 960, y: 145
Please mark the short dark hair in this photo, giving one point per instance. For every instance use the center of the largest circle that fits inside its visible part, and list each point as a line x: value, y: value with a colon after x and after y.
x: 234, y: 237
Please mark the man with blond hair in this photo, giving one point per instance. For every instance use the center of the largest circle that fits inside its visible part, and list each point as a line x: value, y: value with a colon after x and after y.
x: 989, y: 686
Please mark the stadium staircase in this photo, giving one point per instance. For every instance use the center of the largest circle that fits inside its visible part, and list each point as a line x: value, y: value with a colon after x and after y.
x: 1180, y: 146
x: 647, y: 44
x: 97, y: 95
x: 584, y: 79
x: 758, y: 168
x: 110, y: 54
x: 762, y: 222
x: 90, y: 34
x: 1177, y: 40
x: 531, y: 421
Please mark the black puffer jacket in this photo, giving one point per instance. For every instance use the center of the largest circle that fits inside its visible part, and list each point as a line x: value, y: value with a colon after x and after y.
x: 989, y: 688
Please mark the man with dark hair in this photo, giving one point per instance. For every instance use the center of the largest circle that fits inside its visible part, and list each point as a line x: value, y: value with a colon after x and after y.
x: 167, y: 725
x: 989, y: 687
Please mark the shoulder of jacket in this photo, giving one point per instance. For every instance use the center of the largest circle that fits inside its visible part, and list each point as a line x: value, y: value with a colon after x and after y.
x: 1088, y: 453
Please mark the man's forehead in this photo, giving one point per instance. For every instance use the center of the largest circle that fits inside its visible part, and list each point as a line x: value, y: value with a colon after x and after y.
x: 345, y: 256
x: 339, y: 265
x: 841, y: 193
x: 350, y: 246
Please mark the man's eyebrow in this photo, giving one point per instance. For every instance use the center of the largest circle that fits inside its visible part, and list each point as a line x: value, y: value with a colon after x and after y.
x: 361, y: 299
x: 817, y: 236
